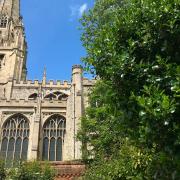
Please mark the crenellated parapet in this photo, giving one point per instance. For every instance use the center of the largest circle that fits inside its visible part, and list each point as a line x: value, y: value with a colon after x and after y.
x: 60, y: 84
x: 20, y: 103
x: 36, y: 83
x: 17, y: 103
x: 89, y: 82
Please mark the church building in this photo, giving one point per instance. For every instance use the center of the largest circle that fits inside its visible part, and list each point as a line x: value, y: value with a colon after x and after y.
x: 38, y: 119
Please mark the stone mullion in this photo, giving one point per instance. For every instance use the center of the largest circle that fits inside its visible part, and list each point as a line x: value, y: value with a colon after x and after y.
x: 14, y: 142
x: 2, y: 137
x: 15, y: 139
x: 7, y: 148
x: 20, y: 153
x: 22, y: 140
x: 49, y: 141
x: 56, y: 139
x: 9, y: 137
x: 62, y: 138
x: 7, y: 143
x: 62, y: 143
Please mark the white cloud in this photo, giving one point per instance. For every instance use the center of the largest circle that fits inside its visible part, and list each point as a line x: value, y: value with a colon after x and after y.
x: 82, y: 9
x: 74, y: 10
x: 78, y: 10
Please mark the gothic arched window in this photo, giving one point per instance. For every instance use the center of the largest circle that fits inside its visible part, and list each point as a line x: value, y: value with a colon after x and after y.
x: 15, y: 138
x: 3, y: 21
x: 33, y: 96
x: 50, y: 96
x: 53, y: 137
x: 57, y: 93
x: 63, y: 97
x: 56, y: 96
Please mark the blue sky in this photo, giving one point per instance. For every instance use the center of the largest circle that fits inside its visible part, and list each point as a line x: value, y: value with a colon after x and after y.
x: 52, y: 34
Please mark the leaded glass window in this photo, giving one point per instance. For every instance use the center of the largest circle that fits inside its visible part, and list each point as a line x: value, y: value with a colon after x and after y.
x: 15, y: 139
x: 53, y: 137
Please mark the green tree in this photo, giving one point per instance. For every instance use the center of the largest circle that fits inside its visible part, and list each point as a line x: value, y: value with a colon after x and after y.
x: 134, y: 47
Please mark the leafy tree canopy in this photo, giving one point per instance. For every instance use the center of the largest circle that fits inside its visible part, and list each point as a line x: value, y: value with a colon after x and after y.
x: 134, y: 47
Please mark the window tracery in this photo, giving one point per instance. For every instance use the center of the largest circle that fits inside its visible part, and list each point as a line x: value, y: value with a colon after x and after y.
x: 57, y: 93
x: 62, y: 97
x: 53, y: 137
x: 57, y: 96
x: 15, y: 139
x: 50, y: 96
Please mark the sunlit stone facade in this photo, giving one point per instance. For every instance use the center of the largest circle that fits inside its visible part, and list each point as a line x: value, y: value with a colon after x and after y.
x: 38, y: 119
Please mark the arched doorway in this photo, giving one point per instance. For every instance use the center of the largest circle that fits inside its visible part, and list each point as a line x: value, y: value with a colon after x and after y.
x: 15, y: 138
x: 53, y: 137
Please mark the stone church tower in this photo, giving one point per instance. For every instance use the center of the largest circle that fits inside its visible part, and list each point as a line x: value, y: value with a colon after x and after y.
x: 38, y: 120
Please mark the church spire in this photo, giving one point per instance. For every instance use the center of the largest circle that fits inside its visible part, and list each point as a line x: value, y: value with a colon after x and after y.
x: 11, y: 8
x: 13, y: 47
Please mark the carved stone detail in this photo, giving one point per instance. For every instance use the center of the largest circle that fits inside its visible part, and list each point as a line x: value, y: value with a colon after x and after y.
x: 6, y: 115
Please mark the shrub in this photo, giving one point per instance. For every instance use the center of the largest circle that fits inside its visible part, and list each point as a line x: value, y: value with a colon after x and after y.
x: 2, y: 171
x: 31, y: 171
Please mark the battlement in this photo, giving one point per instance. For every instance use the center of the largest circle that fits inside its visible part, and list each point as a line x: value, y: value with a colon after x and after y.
x: 29, y: 100
x: 89, y: 82
x: 31, y: 103
x: 17, y: 102
x: 37, y: 83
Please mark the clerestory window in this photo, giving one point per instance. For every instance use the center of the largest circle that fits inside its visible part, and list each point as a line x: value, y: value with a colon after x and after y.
x: 56, y: 96
x: 53, y: 137
x: 15, y: 139
x: 33, y: 96
x: 63, y: 97
x: 50, y: 96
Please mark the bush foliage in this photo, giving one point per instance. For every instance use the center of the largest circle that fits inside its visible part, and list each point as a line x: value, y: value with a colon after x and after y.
x: 2, y: 171
x: 132, y: 127
x: 27, y: 171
